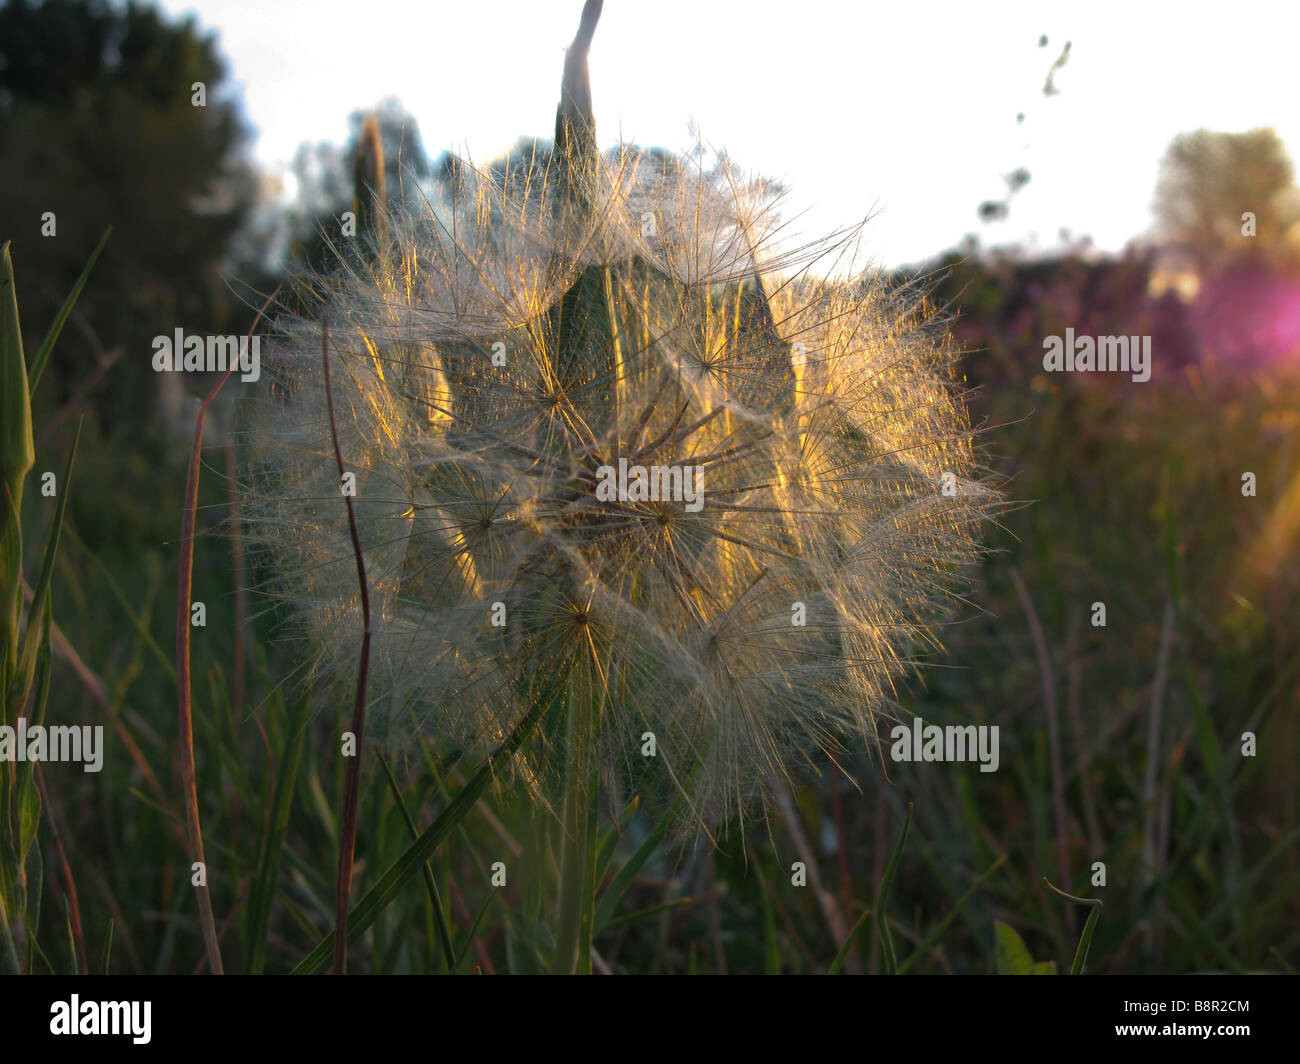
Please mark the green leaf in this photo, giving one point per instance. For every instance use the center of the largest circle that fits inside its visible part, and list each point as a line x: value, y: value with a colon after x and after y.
x: 609, y: 841
x: 34, y: 953
x: 1090, y: 925
x: 882, y: 916
x: 430, y: 883
x: 29, y: 816
x: 605, y: 850
x: 882, y: 919
x: 17, y: 456
x: 34, y: 870
x: 72, y: 938
x: 142, y: 628
x: 381, y: 895
x: 1085, y: 941
x: 8, y: 954
x: 856, y: 930
x: 653, y: 910
x: 262, y: 895
x: 47, y: 345
x: 623, y: 879
x: 17, y: 445
x: 38, y: 616
x: 108, y: 948
x: 942, y: 925
x: 1012, y: 956
x: 473, y: 930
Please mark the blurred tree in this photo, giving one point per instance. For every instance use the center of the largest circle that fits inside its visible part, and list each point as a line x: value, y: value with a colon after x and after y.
x: 326, y: 177
x: 1210, y: 180
x: 111, y: 115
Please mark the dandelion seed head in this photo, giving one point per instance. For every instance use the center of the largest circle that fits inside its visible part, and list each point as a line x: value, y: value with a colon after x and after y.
x: 504, y: 345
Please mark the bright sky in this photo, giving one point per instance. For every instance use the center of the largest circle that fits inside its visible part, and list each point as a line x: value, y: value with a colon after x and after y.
x: 907, y: 110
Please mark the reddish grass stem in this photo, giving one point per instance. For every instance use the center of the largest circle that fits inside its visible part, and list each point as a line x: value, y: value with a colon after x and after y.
x: 352, y: 782
x: 184, y: 587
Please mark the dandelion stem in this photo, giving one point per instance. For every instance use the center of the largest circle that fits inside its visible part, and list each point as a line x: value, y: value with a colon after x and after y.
x: 578, y: 866
x: 352, y: 780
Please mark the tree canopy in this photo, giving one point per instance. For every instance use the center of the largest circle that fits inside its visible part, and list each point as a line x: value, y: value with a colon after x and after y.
x: 112, y: 115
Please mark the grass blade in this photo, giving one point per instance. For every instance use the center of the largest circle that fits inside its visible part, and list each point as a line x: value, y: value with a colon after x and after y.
x: 262, y: 895
x: 37, y: 630
x: 431, y: 884
x: 623, y: 878
x: 378, y: 898
x: 882, y: 921
x: 473, y: 930
x: 882, y: 916
x: 654, y: 910
x: 952, y: 914
x: 17, y: 455
x: 47, y: 345
x: 843, y: 954
x: 108, y: 947
x: 1085, y: 939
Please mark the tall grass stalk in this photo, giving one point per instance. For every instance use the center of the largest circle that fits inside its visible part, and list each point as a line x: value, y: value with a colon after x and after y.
x: 352, y: 784
x: 185, y: 715
x: 25, y: 643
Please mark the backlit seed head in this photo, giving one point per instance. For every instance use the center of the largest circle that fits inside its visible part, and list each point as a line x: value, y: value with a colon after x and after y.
x: 669, y: 345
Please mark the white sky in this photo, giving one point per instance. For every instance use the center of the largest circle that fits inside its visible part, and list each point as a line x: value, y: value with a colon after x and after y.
x: 908, y: 110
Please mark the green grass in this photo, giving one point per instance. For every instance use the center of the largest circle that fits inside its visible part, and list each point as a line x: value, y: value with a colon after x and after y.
x: 1132, y: 499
